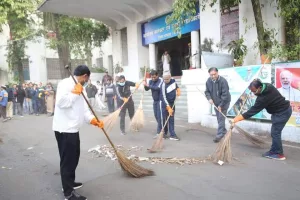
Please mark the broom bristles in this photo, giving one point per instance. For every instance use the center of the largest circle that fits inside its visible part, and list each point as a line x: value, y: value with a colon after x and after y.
x: 223, y: 151
x: 157, y: 146
x: 110, y: 120
x: 131, y: 168
x: 138, y: 120
x: 254, y: 140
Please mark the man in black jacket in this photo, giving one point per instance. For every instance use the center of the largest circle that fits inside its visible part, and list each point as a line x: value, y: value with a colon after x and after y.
x: 269, y: 98
x: 217, y: 93
x: 123, y: 93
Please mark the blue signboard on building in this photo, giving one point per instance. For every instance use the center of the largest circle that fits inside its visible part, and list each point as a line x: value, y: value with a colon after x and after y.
x: 158, y: 30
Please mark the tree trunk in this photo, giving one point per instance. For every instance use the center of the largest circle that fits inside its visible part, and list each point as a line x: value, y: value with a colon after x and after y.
x: 63, y: 50
x: 259, y: 26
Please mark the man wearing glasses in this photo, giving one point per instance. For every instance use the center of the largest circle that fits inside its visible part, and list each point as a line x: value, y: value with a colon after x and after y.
x: 269, y: 98
x: 217, y: 93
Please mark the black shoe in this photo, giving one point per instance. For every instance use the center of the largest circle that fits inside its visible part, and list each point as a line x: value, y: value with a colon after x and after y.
x: 217, y: 140
x: 77, y: 185
x: 175, y: 138
x: 75, y: 196
x: 166, y: 136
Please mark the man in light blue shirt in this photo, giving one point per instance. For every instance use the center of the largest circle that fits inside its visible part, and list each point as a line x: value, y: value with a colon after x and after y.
x: 3, y: 102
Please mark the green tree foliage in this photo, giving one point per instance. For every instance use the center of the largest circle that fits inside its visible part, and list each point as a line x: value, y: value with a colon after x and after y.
x: 74, y: 35
x: 18, y: 16
x: 184, y: 8
x: 290, y: 11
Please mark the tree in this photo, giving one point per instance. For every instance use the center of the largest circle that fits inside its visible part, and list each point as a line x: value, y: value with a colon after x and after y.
x: 184, y: 8
x: 289, y: 11
x: 74, y: 35
x: 18, y: 16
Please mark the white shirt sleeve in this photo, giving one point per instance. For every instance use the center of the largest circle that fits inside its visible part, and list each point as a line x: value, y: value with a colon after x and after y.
x: 64, y: 97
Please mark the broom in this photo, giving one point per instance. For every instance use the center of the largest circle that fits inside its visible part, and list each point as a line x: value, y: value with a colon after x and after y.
x: 157, y: 145
x: 254, y: 140
x: 138, y: 120
x: 223, y: 152
x: 128, y: 166
x: 111, y: 119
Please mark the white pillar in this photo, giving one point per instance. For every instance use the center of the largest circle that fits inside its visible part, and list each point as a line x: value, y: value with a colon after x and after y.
x: 152, y: 57
x: 195, y: 42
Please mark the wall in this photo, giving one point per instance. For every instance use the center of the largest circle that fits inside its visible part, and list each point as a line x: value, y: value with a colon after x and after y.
x: 210, y: 20
x: 246, y: 12
x: 4, y: 36
x: 104, y: 51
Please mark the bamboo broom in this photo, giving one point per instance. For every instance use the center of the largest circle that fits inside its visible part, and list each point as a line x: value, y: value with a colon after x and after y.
x: 128, y: 166
x: 158, y: 144
x: 254, y: 140
x: 111, y: 119
x: 223, y: 152
x: 138, y: 120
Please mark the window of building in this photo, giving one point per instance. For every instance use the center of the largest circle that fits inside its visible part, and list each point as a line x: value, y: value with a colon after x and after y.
x: 99, y: 62
x: 53, y: 67
x: 229, y: 26
x: 124, y: 46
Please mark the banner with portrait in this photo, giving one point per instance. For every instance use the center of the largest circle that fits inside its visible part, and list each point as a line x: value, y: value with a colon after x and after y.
x: 287, y: 81
x: 238, y: 79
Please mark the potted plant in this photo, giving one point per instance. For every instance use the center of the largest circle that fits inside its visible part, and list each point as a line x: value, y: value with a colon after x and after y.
x: 142, y: 70
x: 238, y: 50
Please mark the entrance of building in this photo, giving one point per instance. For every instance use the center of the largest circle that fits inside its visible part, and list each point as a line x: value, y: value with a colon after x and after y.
x: 179, y: 51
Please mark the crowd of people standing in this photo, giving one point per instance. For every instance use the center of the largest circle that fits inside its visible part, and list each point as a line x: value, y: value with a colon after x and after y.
x: 27, y: 98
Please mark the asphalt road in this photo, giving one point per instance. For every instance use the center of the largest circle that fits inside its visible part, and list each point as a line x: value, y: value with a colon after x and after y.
x: 29, y: 166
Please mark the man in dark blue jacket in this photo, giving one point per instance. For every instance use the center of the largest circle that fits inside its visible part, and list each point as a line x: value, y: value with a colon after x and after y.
x: 155, y: 86
x: 169, y: 91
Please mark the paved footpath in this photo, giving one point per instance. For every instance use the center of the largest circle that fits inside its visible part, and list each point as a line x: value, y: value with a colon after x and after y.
x: 29, y: 166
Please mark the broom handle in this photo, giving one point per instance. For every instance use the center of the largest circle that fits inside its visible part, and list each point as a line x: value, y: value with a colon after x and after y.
x: 145, y: 81
x: 218, y: 108
x: 104, y: 131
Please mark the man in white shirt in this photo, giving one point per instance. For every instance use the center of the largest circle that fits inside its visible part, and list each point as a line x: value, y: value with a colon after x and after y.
x: 286, y: 90
x: 70, y: 112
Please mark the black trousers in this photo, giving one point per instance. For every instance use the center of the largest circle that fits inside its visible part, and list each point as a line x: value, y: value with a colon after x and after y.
x: 130, y: 107
x: 69, y: 152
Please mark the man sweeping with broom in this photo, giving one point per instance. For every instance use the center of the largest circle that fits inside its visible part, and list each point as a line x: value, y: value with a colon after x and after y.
x: 217, y: 93
x: 269, y: 98
x: 71, y: 111
x: 169, y: 91
x: 155, y: 87
x: 123, y: 93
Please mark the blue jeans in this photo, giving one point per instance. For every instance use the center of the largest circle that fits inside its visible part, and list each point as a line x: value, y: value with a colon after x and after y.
x: 35, y: 106
x: 156, y: 109
x: 164, y: 116
x: 29, y: 105
x: 278, y: 122
x: 110, y: 104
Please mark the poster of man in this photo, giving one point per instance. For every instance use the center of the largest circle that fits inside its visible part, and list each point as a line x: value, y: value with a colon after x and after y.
x: 287, y: 78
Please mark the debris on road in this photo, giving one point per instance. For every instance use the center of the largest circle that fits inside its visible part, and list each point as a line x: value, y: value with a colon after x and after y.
x: 29, y: 148
x: 108, y: 153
